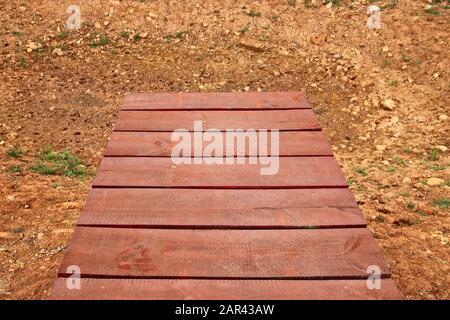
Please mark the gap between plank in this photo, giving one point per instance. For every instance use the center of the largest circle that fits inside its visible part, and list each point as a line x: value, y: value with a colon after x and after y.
x: 219, y: 227
x: 234, y: 157
x: 215, y: 109
x: 279, y: 130
x: 318, y: 278
x: 222, y: 187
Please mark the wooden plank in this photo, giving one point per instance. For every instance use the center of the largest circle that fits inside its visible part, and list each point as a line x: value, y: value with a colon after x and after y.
x: 299, y: 172
x: 169, y: 121
x: 192, y: 289
x: 152, y: 229
x: 216, y: 101
x: 215, y: 208
x: 159, y: 144
x: 220, y: 254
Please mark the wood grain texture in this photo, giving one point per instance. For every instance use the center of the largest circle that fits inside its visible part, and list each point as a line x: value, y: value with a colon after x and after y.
x: 214, y: 208
x: 216, y: 101
x: 299, y: 172
x: 192, y: 289
x: 223, y: 254
x: 169, y: 121
x: 159, y: 144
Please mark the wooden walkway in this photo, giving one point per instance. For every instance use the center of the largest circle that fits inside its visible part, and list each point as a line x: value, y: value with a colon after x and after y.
x: 154, y: 230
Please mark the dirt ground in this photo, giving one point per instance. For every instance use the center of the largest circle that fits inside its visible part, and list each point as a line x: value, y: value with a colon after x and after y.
x: 382, y: 97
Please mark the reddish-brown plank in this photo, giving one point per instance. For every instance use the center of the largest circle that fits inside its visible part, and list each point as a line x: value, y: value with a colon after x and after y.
x: 152, y: 229
x: 216, y: 101
x: 177, y: 289
x: 215, y: 208
x: 159, y: 144
x: 220, y: 254
x: 221, y: 120
x: 299, y: 172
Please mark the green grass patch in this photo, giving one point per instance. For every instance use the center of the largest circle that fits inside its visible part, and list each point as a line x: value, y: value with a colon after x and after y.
x: 22, y: 62
x: 63, y: 35
x: 176, y: 35
x: 361, y: 171
x: 180, y: 35
x: 434, y: 154
x: 391, y: 5
x: 18, y: 230
x: 407, y: 150
x: 15, y: 152
x: 405, y: 57
x: 399, y: 161
x: 15, y: 169
x: 393, y: 83
x: 432, y: 11
x: 59, y: 163
x: 438, y: 167
x: 292, y: 3
x: 391, y: 169
x: 443, y: 203
x: 254, y: 14
x: 421, y: 213
x: 102, y: 41
x: 243, y: 30
x: 404, y: 194
x: 125, y: 34
x: 381, y: 186
x: 137, y: 37
x: 334, y: 2
x: 350, y: 182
